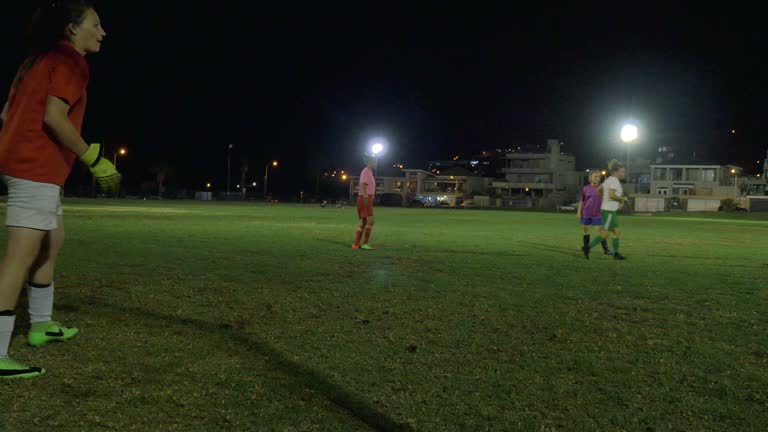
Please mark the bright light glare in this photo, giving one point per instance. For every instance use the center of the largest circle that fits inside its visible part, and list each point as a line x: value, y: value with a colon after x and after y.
x: 377, y: 145
x: 629, y: 133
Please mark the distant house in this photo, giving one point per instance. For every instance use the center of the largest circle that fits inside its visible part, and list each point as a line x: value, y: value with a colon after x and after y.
x: 696, y: 178
x: 700, y: 186
x: 545, y: 177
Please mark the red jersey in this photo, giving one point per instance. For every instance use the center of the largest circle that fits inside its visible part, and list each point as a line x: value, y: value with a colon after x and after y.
x: 27, y: 150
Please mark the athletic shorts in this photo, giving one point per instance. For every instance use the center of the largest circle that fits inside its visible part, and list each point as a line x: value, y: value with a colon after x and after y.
x: 610, y: 220
x: 32, y: 205
x: 364, y: 211
x: 592, y: 221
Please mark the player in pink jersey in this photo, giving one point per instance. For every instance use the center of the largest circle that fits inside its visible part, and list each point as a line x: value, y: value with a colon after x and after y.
x: 589, y: 208
x: 365, y: 196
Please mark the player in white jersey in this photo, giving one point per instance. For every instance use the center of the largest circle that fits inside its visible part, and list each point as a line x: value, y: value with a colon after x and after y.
x: 613, y: 200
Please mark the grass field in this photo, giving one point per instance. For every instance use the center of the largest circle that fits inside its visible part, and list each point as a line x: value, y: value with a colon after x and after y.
x: 243, y: 317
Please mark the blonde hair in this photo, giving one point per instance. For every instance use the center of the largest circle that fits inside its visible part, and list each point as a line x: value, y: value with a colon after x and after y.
x: 614, y: 166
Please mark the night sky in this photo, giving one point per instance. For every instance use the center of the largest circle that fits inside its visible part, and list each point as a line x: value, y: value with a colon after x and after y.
x: 307, y: 83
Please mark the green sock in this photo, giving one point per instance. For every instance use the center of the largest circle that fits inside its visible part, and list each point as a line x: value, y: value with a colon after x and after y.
x: 595, y: 241
x: 615, y: 245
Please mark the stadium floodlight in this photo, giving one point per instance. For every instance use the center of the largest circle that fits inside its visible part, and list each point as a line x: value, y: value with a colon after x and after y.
x: 378, y: 145
x: 628, y: 133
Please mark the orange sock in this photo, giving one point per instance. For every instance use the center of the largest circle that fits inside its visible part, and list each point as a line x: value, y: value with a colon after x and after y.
x: 358, y: 236
x: 368, y: 230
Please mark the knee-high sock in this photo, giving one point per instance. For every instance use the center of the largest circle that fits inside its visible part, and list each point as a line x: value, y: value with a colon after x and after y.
x: 40, y: 302
x: 367, y: 237
x: 7, y: 318
x: 358, y: 235
x: 595, y: 241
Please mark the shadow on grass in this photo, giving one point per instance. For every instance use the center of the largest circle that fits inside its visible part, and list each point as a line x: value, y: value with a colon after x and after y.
x: 303, y: 377
x: 564, y: 251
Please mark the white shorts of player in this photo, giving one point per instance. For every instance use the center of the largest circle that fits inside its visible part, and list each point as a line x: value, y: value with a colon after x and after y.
x: 32, y: 205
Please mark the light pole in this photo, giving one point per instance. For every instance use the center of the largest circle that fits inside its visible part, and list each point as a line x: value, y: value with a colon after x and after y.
x: 266, y: 175
x: 122, y: 152
x: 229, y: 166
x: 628, y: 135
x: 735, y: 183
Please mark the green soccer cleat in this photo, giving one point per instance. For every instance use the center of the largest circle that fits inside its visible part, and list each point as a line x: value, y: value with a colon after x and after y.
x: 42, y: 333
x: 366, y: 247
x: 10, y: 369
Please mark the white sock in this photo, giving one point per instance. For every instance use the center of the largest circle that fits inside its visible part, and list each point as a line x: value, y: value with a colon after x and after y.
x: 6, y: 329
x: 40, y: 303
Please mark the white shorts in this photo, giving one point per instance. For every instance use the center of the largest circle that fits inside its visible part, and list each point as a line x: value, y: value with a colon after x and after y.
x: 32, y: 205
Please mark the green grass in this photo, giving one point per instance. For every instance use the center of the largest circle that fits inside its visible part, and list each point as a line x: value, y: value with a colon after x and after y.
x: 243, y: 317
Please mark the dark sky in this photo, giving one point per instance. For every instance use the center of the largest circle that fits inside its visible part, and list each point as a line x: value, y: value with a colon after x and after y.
x: 307, y: 82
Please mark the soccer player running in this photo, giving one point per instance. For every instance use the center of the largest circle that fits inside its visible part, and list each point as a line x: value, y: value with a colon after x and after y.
x: 613, y: 199
x: 589, y: 208
x: 39, y: 142
x: 365, y: 196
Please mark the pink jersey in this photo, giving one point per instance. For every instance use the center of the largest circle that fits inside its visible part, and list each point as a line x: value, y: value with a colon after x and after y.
x: 370, y: 183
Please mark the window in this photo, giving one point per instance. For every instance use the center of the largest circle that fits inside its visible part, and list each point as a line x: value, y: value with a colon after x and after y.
x: 708, y: 175
x: 662, y: 191
x: 659, y: 173
x: 675, y: 174
x: 693, y: 174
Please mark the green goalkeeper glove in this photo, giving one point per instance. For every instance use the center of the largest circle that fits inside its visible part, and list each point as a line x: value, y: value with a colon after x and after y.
x: 106, y: 175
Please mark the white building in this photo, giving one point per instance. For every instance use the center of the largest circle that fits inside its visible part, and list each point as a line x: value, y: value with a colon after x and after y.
x: 700, y: 187
x: 701, y: 179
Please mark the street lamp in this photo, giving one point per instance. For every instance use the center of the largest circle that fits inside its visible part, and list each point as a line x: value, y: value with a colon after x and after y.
x: 266, y: 175
x: 628, y: 135
x: 121, y: 152
x: 735, y: 183
x: 229, y: 166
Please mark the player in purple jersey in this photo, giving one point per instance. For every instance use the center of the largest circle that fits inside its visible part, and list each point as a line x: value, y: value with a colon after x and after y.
x: 589, y: 208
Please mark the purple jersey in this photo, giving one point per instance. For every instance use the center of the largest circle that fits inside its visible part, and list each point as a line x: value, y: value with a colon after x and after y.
x: 590, y: 202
